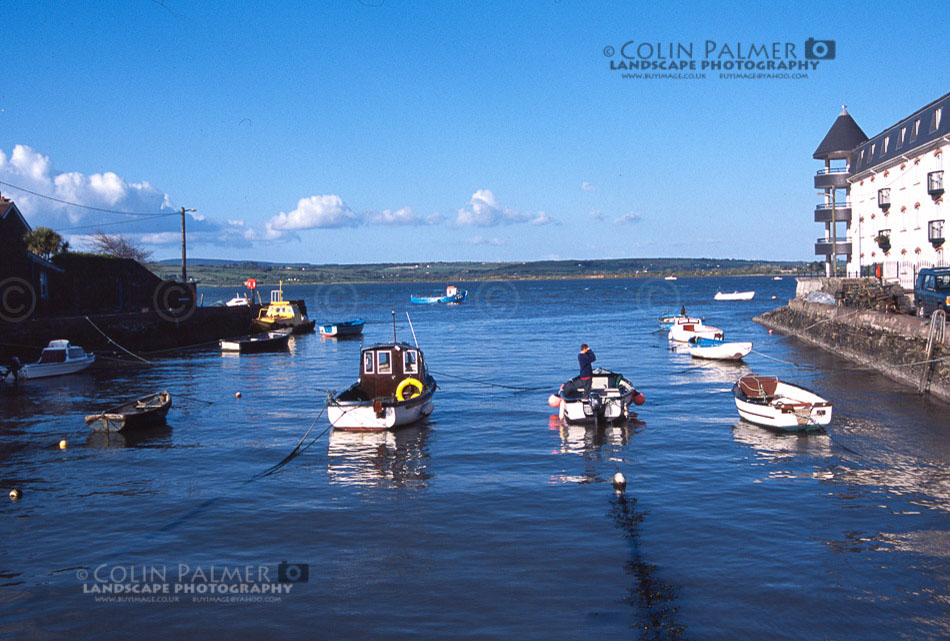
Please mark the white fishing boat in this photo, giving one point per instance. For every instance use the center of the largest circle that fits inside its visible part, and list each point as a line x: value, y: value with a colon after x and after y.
x: 718, y: 350
x: 239, y: 301
x: 669, y: 320
x: 609, y: 400
x: 670, y: 278
x: 768, y: 402
x: 394, y: 388
x: 776, y: 278
x: 682, y: 332
x: 734, y: 296
x: 58, y: 358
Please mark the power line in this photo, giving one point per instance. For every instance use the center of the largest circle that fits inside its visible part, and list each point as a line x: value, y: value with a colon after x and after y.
x: 118, y: 222
x: 66, y: 202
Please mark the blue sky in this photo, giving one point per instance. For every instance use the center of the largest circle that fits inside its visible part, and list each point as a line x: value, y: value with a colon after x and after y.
x: 385, y: 130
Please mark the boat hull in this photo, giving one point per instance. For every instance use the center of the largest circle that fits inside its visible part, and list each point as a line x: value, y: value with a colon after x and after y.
x: 721, y: 352
x: 257, y: 343
x: 304, y: 327
x: 434, y: 300
x: 370, y: 416
x: 682, y: 332
x: 735, y: 296
x: 342, y: 330
x: 34, y: 371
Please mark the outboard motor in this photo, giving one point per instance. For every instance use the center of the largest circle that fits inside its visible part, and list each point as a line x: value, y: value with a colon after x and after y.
x: 596, y: 403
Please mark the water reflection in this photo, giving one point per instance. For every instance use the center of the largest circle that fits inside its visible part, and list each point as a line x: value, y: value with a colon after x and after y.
x: 588, y: 440
x: 653, y: 600
x: 380, y: 458
x: 156, y: 436
x: 774, y: 446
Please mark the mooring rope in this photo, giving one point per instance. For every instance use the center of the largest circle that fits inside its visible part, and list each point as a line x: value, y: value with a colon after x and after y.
x: 116, y: 344
x: 490, y: 384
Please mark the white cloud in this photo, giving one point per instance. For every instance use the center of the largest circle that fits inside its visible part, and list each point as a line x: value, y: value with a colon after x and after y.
x: 597, y: 215
x: 629, y: 217
x: 586, y: 186
x: 404, y: 216
x: 328, y: 210
x: 481, y: 240
x: 484, y: 210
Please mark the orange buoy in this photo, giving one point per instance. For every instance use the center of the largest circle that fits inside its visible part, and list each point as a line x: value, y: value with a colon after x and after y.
x: 771, y: 331
x: 237, y: 394
x: 554, y: 400
x: 639, y: 399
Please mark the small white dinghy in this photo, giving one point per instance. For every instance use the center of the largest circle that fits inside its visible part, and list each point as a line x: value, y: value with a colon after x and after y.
x: 682, y: 332
x: 735, y: 296
x: 58, y: 358
x: 768, y: 402
x: 718, y: 350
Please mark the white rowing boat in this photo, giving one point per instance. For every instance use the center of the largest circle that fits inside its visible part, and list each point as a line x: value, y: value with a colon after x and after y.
x: 735, y: 296
x: 768, y: 402
x: 718, y: 350
x: 682, y: 332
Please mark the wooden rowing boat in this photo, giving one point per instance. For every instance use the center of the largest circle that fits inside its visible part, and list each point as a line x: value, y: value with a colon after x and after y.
x: 144, y: 411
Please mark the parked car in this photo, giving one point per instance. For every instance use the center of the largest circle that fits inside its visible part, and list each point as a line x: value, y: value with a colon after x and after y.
x: 932, y: 290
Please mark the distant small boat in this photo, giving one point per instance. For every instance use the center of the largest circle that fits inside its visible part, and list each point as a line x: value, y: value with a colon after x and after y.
x: 768, y: 402
x: 239, y: 301
x: 281, y: 313
x: 670, y: 278
x: 718, y: 350
x: 735, y: 296
x: 667, y: 322
x: 453, y: 295
x: 776, y: 278
x: 148, y: 410
x: 58, y: 358
x: 255, y: 343
x: 682, y: 332
x: 344, y: 329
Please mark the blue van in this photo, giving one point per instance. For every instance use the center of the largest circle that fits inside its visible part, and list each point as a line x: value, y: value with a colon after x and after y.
x: 932, y: 290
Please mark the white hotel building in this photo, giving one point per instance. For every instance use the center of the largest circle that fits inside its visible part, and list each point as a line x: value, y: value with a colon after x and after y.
x: 888, y: 193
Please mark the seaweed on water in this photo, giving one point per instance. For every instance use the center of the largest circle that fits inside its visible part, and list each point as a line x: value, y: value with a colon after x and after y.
x: 653, y: 600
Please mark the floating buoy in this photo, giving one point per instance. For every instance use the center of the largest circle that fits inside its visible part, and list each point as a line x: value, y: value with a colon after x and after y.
x: 620, y: 482
x: 237, y: 394
x: 554, y: 400
x: 771, y: 331
x: 639, y: 399
x: 62, y: 444
x: 774, y: 297
x: 15, y: 494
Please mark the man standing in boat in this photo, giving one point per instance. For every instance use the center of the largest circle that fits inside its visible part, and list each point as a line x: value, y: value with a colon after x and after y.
x: 585, y: 358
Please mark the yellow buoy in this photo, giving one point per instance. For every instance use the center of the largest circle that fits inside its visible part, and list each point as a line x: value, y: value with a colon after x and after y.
x: 62, y: 444
x: 15, y: 494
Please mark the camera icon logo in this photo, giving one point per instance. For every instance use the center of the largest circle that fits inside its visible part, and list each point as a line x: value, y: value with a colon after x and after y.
x: 293, y: 572
x: 819, y: 49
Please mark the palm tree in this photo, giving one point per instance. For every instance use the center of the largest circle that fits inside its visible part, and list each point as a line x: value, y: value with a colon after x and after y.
x: 45, y: 242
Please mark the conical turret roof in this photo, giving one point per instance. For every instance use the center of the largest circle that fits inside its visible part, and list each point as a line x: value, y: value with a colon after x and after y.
x: 841, y: 139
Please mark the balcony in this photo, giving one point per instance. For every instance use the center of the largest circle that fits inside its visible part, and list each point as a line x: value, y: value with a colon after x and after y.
x: 836, y: 177
x: 935, y: 183
x: 823, y: 247
x: 842, y: 213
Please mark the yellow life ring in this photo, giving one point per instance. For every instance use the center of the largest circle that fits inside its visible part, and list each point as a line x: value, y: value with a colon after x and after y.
x: 406, y: 383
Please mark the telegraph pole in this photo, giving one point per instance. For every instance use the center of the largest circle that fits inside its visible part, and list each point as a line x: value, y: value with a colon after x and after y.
x: 184, y: 269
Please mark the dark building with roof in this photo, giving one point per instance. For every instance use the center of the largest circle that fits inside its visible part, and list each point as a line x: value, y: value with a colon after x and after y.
x: 26, y: 280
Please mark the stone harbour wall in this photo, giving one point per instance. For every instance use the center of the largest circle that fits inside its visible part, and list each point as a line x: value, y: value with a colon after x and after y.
x: 887, y: 342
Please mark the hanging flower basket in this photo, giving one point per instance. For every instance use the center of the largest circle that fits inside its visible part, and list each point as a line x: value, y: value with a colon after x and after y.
x: 903, y: 207
x: 917, y: 205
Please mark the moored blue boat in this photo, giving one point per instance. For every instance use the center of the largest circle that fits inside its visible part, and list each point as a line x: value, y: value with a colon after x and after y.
x: 353, y: 327
x: 453, y: 296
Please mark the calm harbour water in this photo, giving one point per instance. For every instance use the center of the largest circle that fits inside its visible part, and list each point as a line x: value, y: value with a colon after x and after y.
x: 489, y: 520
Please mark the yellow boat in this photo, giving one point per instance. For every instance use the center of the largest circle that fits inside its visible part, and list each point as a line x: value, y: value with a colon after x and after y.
x: 283, y: 313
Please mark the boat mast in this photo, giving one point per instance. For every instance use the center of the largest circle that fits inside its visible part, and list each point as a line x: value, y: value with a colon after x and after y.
x: 394, y: 325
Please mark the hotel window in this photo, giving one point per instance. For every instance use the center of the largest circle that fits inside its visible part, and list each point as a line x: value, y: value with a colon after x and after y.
x: 861, y: 158
x: 935, y: 183
x: 900, y: 139
x: 884, y: 147
x: 873, y: 147
x: 935, y: 230
x: 915, y: 130
x: 935, y: 121
x: 44, y: 286
x: 884, y: 198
